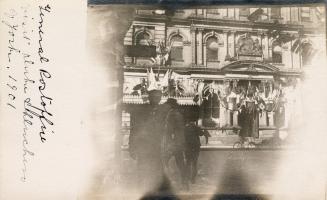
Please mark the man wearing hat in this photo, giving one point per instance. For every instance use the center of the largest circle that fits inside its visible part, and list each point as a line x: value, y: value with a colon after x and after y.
x: 173, y: 142
x: 145, y: 140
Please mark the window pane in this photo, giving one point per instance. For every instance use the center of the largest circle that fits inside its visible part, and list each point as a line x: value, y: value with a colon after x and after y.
x: 305, y: 14
x: 213, y: 11
x: 276, y: 53
x: 212, y: 49
x: 176, y: 48
x: 244, y: 12
x: 294, y: 14
x: 176, y: 53
x: 177, y: 40
x: 275, y: 13
x: 277, y: 57
x: 143, y: 39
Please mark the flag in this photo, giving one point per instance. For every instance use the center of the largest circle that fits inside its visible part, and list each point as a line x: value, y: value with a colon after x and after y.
x: 153, y: 60
x: 206, y: 90
x: 152, y: 83
x: 165, y: 79
x: 296, y: 45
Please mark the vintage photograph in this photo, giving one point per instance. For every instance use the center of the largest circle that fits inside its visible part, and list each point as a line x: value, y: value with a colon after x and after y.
x: 208, y: 102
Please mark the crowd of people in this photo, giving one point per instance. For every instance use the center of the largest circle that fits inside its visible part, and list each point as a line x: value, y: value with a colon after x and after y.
x: 160, y: 135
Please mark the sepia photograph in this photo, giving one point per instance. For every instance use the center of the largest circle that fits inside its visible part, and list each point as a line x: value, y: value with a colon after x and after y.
x: 163, y: 100
x: 211, y: 102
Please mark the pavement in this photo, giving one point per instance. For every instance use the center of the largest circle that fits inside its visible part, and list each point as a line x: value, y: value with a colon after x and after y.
x: 224, y: 174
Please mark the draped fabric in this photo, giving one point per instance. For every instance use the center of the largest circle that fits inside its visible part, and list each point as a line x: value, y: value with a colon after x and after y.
x: 211, y: 106
x: 280, y: 116
x: 210, y: 109
x: 249, y: 120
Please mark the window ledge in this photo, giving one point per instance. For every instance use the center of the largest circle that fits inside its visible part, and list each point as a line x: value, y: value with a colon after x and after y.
x: 279, y: 64
x: 278, y: 18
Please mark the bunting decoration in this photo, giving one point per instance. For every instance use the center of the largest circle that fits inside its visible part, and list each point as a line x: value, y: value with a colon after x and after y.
x: 165, y: 80
x: 152, y: 82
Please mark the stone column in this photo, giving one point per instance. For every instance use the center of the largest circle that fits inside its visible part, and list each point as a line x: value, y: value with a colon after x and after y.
x: 232, y: 47
x: 200, y: 46
x: 266, y: 46
x: 225, y: 51
x: 227, y: 42
x: 194, y: 45
x: 270, y: 48
x: 261, y: 35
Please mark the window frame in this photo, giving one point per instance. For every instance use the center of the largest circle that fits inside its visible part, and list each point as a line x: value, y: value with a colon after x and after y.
x: 275, y: 13
x: 207, y: 49
x: 241, y: 13
x: 305, y: 10
x: 179, y: 47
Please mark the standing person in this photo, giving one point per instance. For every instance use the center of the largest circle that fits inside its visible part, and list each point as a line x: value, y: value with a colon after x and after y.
x: 192, y: 150
x: 144, y: 142
x: 173, y: 144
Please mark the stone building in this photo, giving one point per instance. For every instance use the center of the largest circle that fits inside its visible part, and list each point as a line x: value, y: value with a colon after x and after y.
x: 225, y: 51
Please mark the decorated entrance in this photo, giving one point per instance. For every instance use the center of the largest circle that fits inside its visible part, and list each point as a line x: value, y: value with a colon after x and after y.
x: 245, y: 98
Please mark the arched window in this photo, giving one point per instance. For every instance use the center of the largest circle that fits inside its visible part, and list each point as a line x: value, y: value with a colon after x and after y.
x: 176, y: 53
x: 212, y: 48
x: 143, y: 39
x: 276, y: 53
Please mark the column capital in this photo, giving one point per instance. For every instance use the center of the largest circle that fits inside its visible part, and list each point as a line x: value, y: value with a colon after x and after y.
x: 226, y: 31
x: 200, y: 29
x: 264, y: 33
x: 192, y: 29
x: 261, y: 33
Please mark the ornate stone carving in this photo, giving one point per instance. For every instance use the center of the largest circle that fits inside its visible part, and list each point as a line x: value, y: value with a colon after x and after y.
x: 187, y: 43
x: 251, y: 68
x: 247, y: 46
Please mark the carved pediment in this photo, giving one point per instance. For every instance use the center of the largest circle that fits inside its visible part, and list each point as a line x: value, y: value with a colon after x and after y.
x: 250, y: 66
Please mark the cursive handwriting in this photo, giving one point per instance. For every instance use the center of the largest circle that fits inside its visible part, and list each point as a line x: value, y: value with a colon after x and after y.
x: 41, y: 51
x: 27, y: 122
x: 27, y: 63
x: 42, y: 113
x: 27, y: 75
x: 12, y: 32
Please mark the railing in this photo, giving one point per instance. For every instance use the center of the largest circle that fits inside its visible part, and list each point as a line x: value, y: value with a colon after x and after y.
x: 143, y: 99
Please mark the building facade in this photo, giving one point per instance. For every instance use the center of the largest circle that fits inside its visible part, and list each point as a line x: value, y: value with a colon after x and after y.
x: 210, y: 60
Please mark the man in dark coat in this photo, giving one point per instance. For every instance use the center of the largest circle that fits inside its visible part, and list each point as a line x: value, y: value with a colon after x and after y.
x: 192, y: 150
x: 144, y: 143
x: 173, y: 144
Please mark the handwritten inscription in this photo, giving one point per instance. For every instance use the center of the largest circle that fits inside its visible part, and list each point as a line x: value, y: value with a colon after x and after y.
x: 28, y: 75
x: 41, y: 113
x: 12, y: 26
x: 43, y: 10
